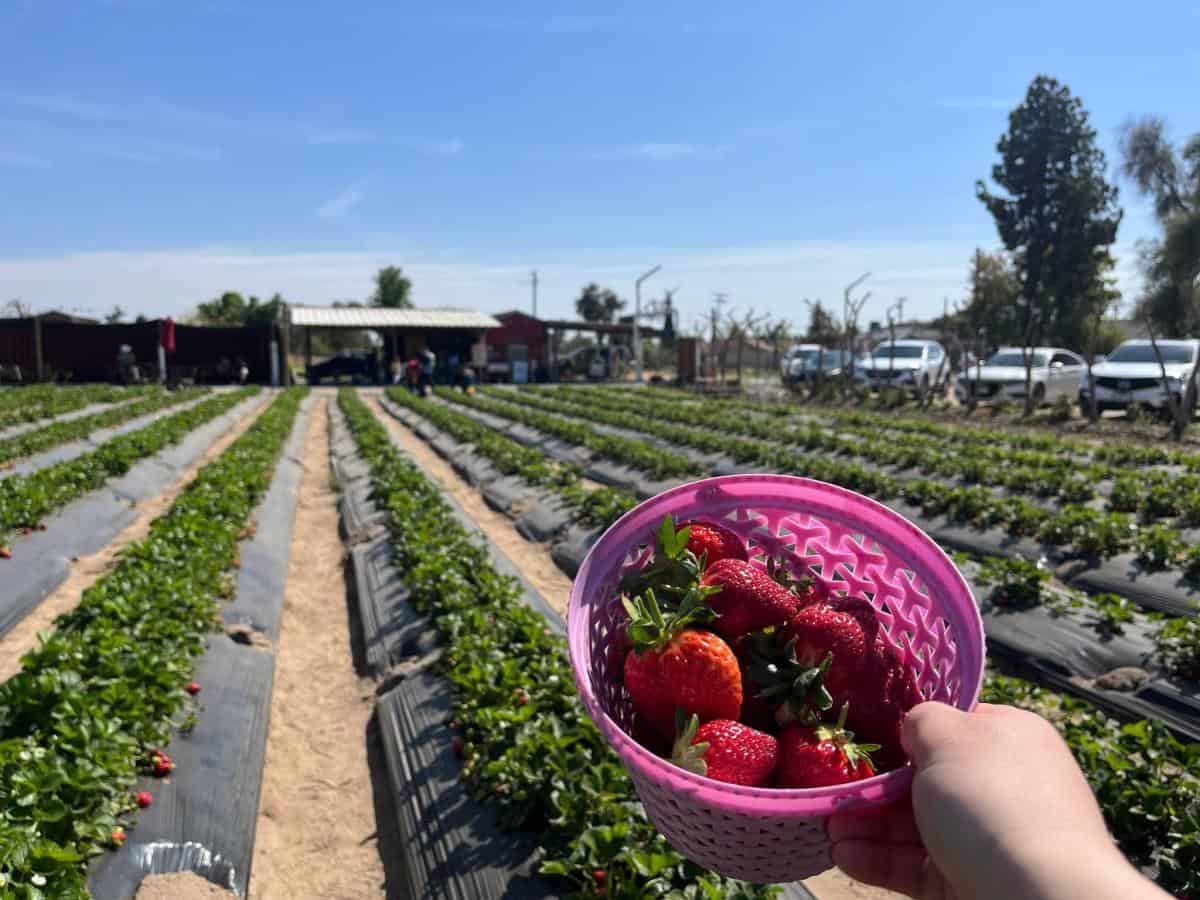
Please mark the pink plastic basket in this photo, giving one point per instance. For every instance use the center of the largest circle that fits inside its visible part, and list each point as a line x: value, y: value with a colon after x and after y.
x: 850, y: 543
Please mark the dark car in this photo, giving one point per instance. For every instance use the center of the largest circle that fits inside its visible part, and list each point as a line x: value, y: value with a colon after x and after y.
x: 354, y: 364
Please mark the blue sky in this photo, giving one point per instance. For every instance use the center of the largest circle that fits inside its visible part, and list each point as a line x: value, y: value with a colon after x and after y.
x: 154, y: 152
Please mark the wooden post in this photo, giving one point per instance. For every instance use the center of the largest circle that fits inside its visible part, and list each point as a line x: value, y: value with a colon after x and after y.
x: 37, y: 346
x: 307, y: 350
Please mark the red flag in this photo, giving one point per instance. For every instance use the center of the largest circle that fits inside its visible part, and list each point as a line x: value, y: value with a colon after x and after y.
x: 168, y: 335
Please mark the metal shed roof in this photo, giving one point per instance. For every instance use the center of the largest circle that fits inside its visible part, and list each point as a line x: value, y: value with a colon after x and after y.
x: 383, y: 317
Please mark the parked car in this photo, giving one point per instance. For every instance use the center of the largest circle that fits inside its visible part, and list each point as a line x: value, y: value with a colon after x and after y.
x: 1055, y: 373
x: 1131, y: 375
x: 920, y: 365
x: 802, y: 362
x: 355, y: 364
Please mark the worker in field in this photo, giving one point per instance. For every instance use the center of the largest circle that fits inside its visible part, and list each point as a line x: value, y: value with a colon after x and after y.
x: 413, y: 373
x: 127, y: 367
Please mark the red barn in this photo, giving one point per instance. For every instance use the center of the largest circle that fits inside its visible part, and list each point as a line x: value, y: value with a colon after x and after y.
x: 520, y: 339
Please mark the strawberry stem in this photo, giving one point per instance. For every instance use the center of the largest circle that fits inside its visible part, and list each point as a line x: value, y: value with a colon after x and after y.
x: 649, y: 629
x: 684, y: 753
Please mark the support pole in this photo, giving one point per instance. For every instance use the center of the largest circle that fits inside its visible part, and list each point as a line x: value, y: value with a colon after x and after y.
x: 37, y: 347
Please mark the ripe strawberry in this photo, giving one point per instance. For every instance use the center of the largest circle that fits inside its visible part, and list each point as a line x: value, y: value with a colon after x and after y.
x: 726, y: 751
x: 117, y: 836
x: 822, y: 755
x: 747, y: 598
x: 885, y: 692
x: 819, y: 631
x: 193, y: 688
x: 711, y: 542
x: 672, y: 666
x: 161, y: 764
x: 864, y: 612
x: 458, y: 745
x: 144, y: 799
x: 599, y: 876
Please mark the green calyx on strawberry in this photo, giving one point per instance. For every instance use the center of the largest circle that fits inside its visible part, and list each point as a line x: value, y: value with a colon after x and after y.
x: 802, y: 587
x: 796, y: 690
x: 675, y: 569
x: 650, y: 629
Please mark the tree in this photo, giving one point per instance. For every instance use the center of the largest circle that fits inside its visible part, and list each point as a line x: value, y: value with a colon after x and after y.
x: 597, y: 304
x: 1056, y: 214
x: 231, y: 308
x: 141, y: 319
x: 115, y: 316
x: 1171, y: 265
x: 822, y: 328
x: 392, y: 289
x: 18, y: 308
x: 992, y: 304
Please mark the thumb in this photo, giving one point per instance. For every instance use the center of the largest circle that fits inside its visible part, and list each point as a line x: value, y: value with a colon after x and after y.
x: 930, y: 728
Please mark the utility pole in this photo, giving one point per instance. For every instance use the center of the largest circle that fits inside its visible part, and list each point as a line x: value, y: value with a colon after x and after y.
x: 533, y: 278
x: 637, y: 314
x: 719, y: 299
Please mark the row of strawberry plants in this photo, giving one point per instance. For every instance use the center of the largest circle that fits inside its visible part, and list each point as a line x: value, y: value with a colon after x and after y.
x: 654, y: 461
x: 52, y: 435
x: 29, y: 404
x: 1044, y: 477
x: 93, y: 702
x: 1018, y: 581
x: 527, y: 745
x: 1153, y: 494
x: 1146, y: 781
x: 1115, y: 453
x: 600, y: 507
x: 25, y: 500
x: 1081, y: 529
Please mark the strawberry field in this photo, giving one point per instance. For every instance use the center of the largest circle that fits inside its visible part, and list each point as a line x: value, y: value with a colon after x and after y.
x: 156, y: 546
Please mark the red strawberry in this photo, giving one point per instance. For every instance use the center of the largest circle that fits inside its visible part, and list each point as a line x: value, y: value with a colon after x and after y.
x: 161, y: 764
x: 711, y: 542
x: 747, y: 598
x: 815, y: 757
x: 726, y: 751
x: 820, y: 630
x: 144, y: 799
x: 117, y: 836
x: 864, y: 612
x: 885, y: 692
x: 193, y: 688
x: 672, y: 666
x: 459, y: 746
x: 599, y: 876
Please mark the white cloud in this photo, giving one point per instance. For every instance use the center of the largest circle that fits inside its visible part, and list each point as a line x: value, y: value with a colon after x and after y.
x: 770, y: 277
x: 659, y: 151
x: 341, y: 203
x: 22, y: 160
x: 340, y: 136
x: 976, y: 103
x: 450, y: 147
x: 57, y: 104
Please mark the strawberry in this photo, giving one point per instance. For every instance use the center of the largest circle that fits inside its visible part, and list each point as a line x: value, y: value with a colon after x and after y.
x: 746, y: 598
x: 711, y: 542
x: 819, y: 631
x: 725, y: 751
x: 117, y: 836
x: 5, y: 553
x: 161, y: 764
x: 864, y: 612
x: 885, y: 692
x: 193, y: 688
x: 459, y: 746
x: 144, y: 799
x: 821, y: 755
x: 599, y: 876
x: 674, y: 666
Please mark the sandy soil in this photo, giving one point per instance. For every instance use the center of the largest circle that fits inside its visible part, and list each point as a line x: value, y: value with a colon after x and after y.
x: 86, y: 569
x: 836, y: 885
x: 316, y: 833
x: 532, y: 559
x: 180, y: 886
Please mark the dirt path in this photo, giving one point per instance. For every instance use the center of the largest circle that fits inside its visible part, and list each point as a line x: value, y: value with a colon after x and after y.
x: 532, y: 559
x: 86, y: 569
x: 316, y: 834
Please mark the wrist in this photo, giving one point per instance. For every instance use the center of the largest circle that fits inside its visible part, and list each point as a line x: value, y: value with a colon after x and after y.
x: 1071, y: 866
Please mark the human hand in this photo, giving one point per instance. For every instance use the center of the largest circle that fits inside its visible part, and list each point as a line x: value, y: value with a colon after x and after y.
x: 999, y: 809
